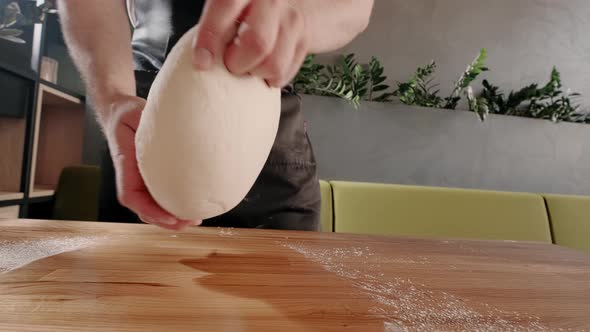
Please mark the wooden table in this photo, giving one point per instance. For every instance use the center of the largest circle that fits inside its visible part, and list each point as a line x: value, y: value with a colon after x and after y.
x: 70, y: 276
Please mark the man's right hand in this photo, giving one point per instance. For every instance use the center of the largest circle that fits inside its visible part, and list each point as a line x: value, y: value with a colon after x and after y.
x: 120, y: 127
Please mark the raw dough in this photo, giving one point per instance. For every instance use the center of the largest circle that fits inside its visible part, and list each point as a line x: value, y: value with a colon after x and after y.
x: 204, y: 137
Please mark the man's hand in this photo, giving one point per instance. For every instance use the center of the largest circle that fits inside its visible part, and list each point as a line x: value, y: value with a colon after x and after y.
x: 266, y: 38
x: 131, y: 190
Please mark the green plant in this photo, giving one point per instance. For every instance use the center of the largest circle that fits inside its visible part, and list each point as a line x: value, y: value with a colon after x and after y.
x: 477, y: 104
x: 346, y: 79
x: 16, y: 15
x: 420, y: 91
x: 377, y: 90
x: 469, y: 75
x: 314, y: 79
x: 353, y: 82
x: 546, y: 102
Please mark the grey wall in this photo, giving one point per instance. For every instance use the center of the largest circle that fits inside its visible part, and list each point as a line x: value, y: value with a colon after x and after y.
x: 525, y: 38
x: 392, y: 143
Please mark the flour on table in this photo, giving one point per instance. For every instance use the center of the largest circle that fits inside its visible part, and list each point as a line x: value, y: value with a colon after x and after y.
x: 407, y: 306
x: 15, y: 254
x: 225, y: 232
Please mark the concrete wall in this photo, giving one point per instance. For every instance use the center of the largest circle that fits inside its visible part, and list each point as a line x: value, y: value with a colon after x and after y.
x: 394, y: 143
x: 525, y: 38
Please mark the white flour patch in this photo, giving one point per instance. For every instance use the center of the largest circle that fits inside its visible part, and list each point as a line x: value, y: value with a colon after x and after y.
x: 15, y: 254
x: 407, y: 260
x: 407, y: 306
x: 225, y: 232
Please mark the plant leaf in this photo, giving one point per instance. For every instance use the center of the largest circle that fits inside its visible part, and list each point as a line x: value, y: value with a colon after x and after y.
x: 10, y: 32
x: 14, y: 39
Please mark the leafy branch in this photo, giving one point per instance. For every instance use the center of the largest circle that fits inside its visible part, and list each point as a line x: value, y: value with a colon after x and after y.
x: 471, y: 73
x: 346, y: 79
x: 354, y: 82
x: 420, y: 90
x: 546, y: 102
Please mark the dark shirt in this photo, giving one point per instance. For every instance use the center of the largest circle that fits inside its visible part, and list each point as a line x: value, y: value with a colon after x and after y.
x: 158, y: 25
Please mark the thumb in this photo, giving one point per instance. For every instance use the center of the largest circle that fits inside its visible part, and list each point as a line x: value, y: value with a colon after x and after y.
x: 218, y: 26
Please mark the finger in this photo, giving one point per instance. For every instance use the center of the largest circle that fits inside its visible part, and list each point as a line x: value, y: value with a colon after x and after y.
x: 131, y: 189
x: 275, y: 67
x: 127, y: 113
x: 298, y: 59
x: 140, y: 201
x: 217, y: 28
x: 256, y: 37
x: 180, y: 225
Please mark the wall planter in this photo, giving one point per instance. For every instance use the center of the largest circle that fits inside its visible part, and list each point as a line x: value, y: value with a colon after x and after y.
x: 396, y: 143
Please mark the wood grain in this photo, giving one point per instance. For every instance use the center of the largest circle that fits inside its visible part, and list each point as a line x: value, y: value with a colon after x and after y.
x: 12, y: 142
x: 140, y: 278
x: 59, y: 134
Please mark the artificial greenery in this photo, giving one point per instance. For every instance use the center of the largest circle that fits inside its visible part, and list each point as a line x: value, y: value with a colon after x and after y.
x: 546, y: 102
x: 469, y: 75
x: 420, y: 91
x: 355, y: 83
x: 17, y: 15
x: 346, y: 79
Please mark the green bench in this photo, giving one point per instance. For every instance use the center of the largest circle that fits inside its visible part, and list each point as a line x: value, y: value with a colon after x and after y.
x: 387, y: 209
x: 327, y: 217
x: 570, y: 220
x: 366, y: 208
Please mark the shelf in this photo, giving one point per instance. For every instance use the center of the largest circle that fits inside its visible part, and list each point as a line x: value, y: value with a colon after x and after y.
x: 12, y: 144
x: 9, y: 212
x: 62, y: 90
x: 42, y: 191
x: 56, y: 96
x: 59, y: 132
x: 10, y: 196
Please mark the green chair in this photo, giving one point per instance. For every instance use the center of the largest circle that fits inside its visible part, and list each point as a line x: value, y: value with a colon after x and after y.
x: 76, y: 196
x: 383, y: 209
x: 570, y: 220
x: 326, y: 211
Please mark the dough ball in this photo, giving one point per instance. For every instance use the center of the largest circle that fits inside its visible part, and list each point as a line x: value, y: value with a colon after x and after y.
x: 204, y: 137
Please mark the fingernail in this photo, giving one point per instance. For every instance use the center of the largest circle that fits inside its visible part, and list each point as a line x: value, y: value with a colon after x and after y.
x: 203, y: 59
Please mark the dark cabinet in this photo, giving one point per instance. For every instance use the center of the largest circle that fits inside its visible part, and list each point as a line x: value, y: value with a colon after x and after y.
x: 16, y: 94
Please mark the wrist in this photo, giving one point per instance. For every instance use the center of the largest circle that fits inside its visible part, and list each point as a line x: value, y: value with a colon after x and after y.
x: 105, y: 105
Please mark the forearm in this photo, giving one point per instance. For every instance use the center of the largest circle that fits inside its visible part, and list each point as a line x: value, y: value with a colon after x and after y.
x: 332, y: 24
x: 99, y: 39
